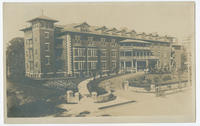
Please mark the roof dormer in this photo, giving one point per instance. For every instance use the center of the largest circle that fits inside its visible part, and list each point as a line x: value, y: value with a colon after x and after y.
x: 112, y: 31
x: 102, y: 29
x: 83, y: 27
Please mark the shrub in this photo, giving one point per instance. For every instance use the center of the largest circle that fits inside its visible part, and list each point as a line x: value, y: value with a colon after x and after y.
x: 166, y: 78
x: 156, y: 79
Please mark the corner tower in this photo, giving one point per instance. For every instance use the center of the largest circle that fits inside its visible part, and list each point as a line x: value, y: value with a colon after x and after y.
x: 39, y: 48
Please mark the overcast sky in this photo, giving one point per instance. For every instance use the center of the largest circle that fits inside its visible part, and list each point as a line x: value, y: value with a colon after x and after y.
x: 175, y: 19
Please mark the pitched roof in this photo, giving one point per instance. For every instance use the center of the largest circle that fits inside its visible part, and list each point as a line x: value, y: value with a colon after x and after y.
x: 26, y: 28
x: 113, y: 29
x: 101, y: 28
x: 42, y: 17
x: 122, y: 31
x: 109, y: 32
x: 132, y: 31
x: 82, y: 24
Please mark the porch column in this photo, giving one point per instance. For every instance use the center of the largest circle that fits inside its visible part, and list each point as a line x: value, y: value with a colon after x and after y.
x: 136, y: 65
x: 147, y: 64
x: 132, y: 64
x: 124, y: 64
x: 157, y: 64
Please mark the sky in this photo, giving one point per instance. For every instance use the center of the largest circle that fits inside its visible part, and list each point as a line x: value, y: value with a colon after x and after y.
x: 174, y: 19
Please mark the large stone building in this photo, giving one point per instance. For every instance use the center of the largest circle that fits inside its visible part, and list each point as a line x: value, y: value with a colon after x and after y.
x: 80, y: 49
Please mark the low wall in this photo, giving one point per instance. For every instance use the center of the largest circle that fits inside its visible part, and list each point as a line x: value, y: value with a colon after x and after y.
x: 72, y: 98
x: 103, y: 98
x: 116, y: 83
x: 162, y: 88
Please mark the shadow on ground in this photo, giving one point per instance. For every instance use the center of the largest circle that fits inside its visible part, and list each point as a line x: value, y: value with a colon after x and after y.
x: 33, y: 100
x: 34, y: 109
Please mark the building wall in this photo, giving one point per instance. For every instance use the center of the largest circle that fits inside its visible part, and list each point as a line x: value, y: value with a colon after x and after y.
x: 36, y: 52
x: 162, y: 50
x: 90, y: 53
x: 79, y: 52
x: 47, y: 66
x: 177, y: 56
x: 39, y: 50
x: 28, y: 51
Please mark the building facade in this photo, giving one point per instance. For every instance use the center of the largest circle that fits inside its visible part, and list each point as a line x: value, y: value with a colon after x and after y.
x: 137, y: 55
x: 80, y: 49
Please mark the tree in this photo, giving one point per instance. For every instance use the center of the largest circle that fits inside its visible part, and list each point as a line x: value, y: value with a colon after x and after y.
x: 15, y: 60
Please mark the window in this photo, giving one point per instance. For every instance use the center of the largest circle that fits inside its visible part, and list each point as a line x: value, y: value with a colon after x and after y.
x: 112, y: 40
x: 76, y: 65
x: 89, y: 52
x: 46, y: 47
x: 113, y: 53
x: 138, y: 53
x: 128, y: 64
x: 31, y: 66
x: 47, y: 25
x: 93, y: 65
x: 80, y: 65
x: 113, y: 64
x: 158, y: 53
x: 77, y: 37
x: 47, y: 60
x: 79, y: 51
x: 103, y: 65
x: 134, y: 53
x: 128, y: 53
x: 141, y: 53
x: 121, y: 53
x: 76, y: 52
x: 36, y: 64
x: 103, y: 39
x: 42, y: 24
x: 84, y: 29
x: 92, y: 52
x: 46, y: 34
x: 89, y: 65
x: 26, y: 65
x: 103, y: 53
x: 90, y: 39
x: 30, y: 54
x: 122, y: 64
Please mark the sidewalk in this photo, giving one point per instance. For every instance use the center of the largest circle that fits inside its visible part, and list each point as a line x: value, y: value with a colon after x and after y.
x: 82, y: 87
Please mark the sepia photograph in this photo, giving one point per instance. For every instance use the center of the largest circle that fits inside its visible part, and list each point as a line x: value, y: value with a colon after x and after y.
x: 99, y: 62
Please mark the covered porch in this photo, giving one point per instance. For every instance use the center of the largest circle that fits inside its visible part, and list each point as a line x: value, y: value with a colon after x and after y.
x: 138, y: 65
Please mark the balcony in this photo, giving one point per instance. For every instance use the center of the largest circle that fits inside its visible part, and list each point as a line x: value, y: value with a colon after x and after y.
x: 137, y: 57
x: 134, y: 48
